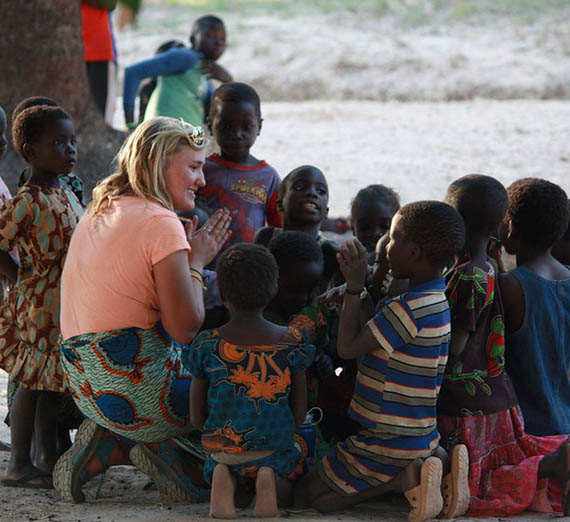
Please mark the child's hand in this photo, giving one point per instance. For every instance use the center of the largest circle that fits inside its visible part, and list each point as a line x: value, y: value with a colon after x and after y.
x: 207, y: 241
x: 333, y: 296
x: 214, y: 71
x: 353, y: 262
x: 323, y: 364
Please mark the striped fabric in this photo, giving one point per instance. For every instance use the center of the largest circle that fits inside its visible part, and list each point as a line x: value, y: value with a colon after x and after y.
x: 396, y: 393
x: 398, y: 382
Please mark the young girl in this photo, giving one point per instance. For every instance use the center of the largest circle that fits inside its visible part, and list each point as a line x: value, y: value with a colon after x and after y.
x: 39, y: 220
x: 371, y: 213
x: 248, y: 387
x: 235, y: 179
x: 402, y: 351
x: 537, y: 299
x: 182, y: 90
x: 477, y: 405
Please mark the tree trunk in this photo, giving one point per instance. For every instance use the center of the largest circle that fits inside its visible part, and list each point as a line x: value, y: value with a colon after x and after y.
x: 41, y: 54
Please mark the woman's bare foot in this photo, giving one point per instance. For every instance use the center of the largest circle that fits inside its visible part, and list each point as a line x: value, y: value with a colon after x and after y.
x: 557, y: 466
x: 222, y: 496
x: 265, y: 494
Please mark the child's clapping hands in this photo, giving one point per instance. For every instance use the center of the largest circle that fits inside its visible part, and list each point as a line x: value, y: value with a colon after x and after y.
x: 353, y: 263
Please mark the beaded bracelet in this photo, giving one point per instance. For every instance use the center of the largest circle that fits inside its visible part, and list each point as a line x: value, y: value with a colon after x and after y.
x: 131, y: 124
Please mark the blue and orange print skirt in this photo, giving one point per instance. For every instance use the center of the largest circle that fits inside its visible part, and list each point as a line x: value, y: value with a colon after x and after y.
x: 130, y: 381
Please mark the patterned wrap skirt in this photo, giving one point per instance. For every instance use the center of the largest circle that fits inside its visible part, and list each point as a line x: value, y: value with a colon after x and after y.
x: 371, y: 458
x: 130, y: 381
x: 503, y: 463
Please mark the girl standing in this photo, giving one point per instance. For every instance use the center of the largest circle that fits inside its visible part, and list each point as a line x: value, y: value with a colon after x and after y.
x: 39, y: 221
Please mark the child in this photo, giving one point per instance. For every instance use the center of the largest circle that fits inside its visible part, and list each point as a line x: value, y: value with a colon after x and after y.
x: 248, y: 386
x: 39, y: 220
x: 235, y: 179
x: 371, y: 213
x: 403, y: 351
x: 182, y: 90
x: 536, y: 297
x: 303, y: 199
x: 477, y: 405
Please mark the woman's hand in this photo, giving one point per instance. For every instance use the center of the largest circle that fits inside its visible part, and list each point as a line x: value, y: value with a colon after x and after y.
x: 207, y: 241
x: 353, y: 262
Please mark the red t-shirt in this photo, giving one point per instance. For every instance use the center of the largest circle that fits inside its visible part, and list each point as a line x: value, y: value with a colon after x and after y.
x: 97, y: 39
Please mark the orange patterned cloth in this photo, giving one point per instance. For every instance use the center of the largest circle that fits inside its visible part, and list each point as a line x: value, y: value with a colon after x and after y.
x: 39, y: 221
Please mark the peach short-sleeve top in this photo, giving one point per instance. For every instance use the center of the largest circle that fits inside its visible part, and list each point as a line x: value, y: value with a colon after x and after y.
x: 107, y: 281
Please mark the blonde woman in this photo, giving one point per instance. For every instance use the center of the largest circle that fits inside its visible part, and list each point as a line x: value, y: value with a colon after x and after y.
x: 131, y: 299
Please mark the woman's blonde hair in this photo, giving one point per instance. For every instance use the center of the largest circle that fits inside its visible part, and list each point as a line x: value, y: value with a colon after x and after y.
x: 142, y: 160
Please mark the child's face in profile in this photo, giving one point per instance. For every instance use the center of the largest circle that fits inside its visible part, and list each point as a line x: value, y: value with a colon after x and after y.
x: 235, y: 127
x: 381, y: 265
x: 307, y: 197
x: 297, y: 288
x: 210, y: 41
x: 370, y: 221
x: 3, y: 140
x: 55, y: 152
x: 398, y: 250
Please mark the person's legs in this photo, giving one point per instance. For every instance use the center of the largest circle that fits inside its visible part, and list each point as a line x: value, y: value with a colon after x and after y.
x: 45, y: 431
x: 265, y: 494
x: 22, y: 414
x: 222, y: 496
x: 455, y: 485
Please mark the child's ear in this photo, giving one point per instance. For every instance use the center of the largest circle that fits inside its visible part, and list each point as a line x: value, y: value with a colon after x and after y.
x: 416, y: 252
x: 28, y: 151
x: 260, y: 124
x: 192, y: 41
x: 280, y: 205
x: 209, y: 124
x: 327, y: 212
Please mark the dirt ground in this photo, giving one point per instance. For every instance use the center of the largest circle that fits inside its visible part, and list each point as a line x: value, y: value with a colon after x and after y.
x: 398, y: 100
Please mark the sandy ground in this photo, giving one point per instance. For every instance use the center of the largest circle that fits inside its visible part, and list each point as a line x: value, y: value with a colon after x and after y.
x: 412, y: 103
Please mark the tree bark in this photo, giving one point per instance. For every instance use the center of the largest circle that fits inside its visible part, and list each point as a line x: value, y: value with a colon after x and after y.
x: 41, y: 54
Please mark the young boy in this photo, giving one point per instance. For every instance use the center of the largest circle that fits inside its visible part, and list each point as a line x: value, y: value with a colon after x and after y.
x: 182, y: 90
x: 403, y: 351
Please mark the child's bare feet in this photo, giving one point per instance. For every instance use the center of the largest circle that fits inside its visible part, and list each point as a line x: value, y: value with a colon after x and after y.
x: 426, y: 499
x: 455, y: 487
x: 557, y: 466
x: 265, y: 494
x: 222, y: 496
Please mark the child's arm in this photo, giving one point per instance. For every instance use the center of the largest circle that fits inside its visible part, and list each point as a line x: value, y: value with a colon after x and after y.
x: 513, y: 301
x: 198, y: 402
x: 298, y: 397
x: 174, y: 61
x: 8, y: 267
x: 214, y: 71
x: 353, y: 340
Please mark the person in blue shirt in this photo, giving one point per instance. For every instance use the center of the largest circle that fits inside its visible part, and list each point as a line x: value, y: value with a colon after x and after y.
x: 182, y: 89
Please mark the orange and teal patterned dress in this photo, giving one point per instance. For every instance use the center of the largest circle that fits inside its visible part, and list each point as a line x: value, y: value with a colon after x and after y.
x: 39, y: 221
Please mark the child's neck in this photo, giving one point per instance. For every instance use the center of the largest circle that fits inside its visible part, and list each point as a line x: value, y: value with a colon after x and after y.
x: 246, y: 161
x: 541, y: 263
x: 312, y: 229
x: 475, y: 246
x: 425, y: 275
x: 38, y: 175
x: 248, y: 327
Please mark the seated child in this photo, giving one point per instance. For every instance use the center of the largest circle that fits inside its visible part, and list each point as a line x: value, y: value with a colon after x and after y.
x: 561, y: 250
x: 477, y: 404
x: 536, y: 296
x: 235, y: 179
x: 248, y: 389
x: 303, y: 202
x: 403, y: 351
x: 182, y: 89
x: 371, y: 213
